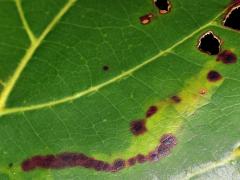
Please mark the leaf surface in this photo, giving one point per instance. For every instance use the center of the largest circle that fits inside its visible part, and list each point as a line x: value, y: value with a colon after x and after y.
x: 56, y: 97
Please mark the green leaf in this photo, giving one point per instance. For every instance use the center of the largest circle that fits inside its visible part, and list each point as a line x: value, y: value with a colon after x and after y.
x: 56, y: 96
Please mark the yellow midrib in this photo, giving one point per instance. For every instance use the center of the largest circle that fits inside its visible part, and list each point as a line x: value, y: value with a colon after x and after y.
x: 99, y: 86
x: 35, y: 43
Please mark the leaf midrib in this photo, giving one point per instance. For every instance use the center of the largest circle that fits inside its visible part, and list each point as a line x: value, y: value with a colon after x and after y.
x: 6, y: 111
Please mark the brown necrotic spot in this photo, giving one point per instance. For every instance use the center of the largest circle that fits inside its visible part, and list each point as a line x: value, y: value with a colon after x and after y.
x: 132, y: 161
x: 141, y: 158
x: 146, y: 19
x: 176, y: 99
x: 164, y: 6
x: 232, y: 18
x: 209, y: 43
x: 151, y: 111
x: 214, y: 76
x: 227, y: 57
x: 138, y: 127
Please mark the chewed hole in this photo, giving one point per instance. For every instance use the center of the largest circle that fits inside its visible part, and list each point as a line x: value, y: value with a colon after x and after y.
x: 164, y: 6
x: 209, y: 43
x: 232, y: 18
x: 138, y: 127
x: 214, y: 76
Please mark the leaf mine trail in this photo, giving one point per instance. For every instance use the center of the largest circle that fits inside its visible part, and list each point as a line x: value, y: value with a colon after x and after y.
x: 162, y: 119
x: 7, y: 90
x: 66, y: 160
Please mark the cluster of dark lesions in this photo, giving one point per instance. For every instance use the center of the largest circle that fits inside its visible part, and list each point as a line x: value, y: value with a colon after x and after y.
x: 209, y: 43
x: 164, y: 6
x: 68, y: 159
x: 138, y: 127
x: 232, y: 18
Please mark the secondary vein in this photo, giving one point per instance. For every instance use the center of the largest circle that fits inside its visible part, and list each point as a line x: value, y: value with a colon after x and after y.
x: 24, y: 21
x: 30, y: 51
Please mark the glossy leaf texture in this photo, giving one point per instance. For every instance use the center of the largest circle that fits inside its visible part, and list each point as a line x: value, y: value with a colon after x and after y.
x: 77, y: 74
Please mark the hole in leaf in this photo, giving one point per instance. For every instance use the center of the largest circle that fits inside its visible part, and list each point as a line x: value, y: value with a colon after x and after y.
x: 214, y: 76
x: 146, y: 19
x: 232, y: 18
x: 209, y: 43
x: 227, y: 57
x: 164, y: 6
x: 138, y: 127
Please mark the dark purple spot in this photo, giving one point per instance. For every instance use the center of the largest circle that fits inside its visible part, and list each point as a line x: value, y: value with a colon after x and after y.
x: 209, y: 43
x: 151, y: 111
x: 227, y: 57
x: 138, y: 127
x: 118, y: 165
x: 105, y: 68
x: 164, y: 6
x: 232, y: 18
x: 146, y: 19
x: 176, y: 99
x: 214, y: 76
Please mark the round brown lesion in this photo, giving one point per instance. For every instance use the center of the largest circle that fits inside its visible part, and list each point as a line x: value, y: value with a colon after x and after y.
x: 138, y: 127
x: 214, y: 76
